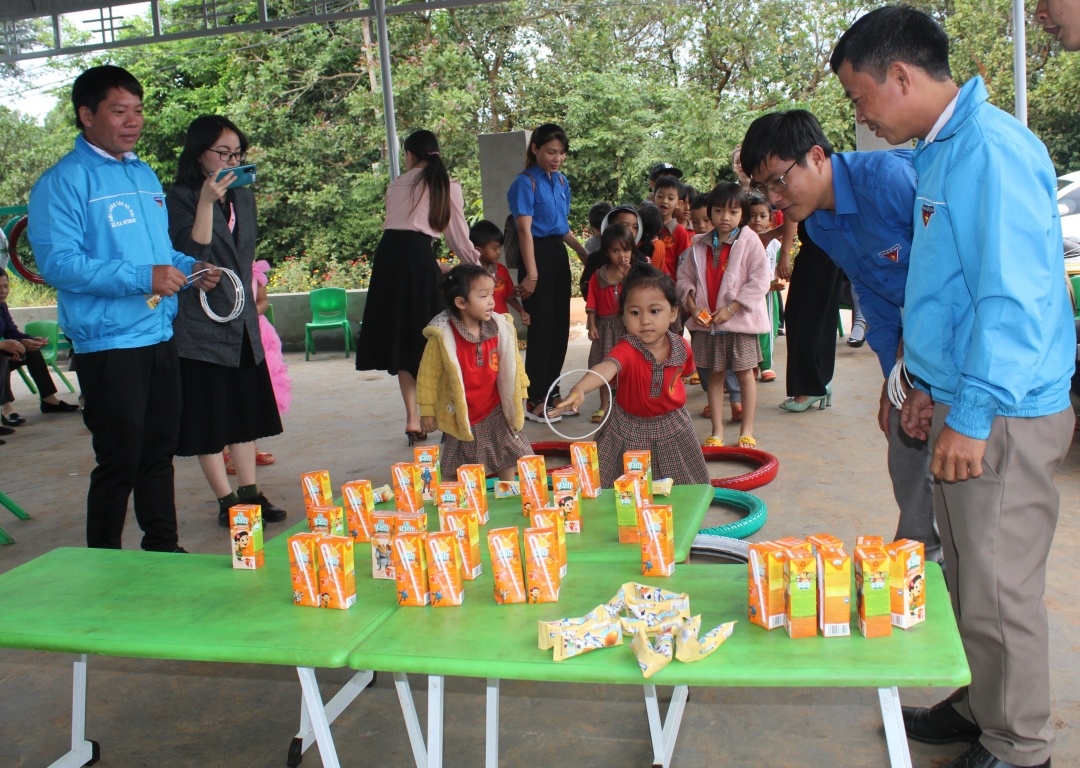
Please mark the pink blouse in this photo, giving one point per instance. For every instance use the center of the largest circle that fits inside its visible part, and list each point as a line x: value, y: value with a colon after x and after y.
x: 404, y: 211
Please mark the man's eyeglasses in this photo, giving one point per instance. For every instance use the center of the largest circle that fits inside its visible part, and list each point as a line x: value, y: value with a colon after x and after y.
x: 776, y: 185
x: 230, y: 157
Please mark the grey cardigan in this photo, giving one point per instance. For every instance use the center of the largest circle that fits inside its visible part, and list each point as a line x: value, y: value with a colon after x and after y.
x: 197, y: 336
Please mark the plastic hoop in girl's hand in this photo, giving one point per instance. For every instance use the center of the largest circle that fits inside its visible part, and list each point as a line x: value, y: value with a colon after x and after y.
x: 547, y: 397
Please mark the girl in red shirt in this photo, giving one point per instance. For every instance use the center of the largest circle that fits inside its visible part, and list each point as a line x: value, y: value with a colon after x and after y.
x: 649, y: 412
x: 604, y: 319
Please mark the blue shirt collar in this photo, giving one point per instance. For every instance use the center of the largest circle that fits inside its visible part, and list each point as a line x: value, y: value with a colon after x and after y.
x: 97, y: 155
x: 972, y: 94
x: 540, y: 174
x: 844, y: 202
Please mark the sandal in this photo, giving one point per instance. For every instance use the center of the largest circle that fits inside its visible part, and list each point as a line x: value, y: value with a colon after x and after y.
x: 262, y: 458
x: 598, y: 416
x: 692, y: 380
x: 768, y: 376
x: 745, y: 441
x: 229, y: 468
x: 707, y: 413
x: 713, y: 442
x: 736, y: 412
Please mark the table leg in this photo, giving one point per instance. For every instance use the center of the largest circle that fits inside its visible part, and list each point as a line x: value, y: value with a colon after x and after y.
x: 435, y: 721
x: 492, y: 750
x: 305, y: 737
x: 664, y: 735
x: 412, y: 722
x: 895, y: 733
x: 317, y: 717
x: 82, y: 752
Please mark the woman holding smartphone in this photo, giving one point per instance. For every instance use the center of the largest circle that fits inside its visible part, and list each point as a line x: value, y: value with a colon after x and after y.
x: 228, y: 397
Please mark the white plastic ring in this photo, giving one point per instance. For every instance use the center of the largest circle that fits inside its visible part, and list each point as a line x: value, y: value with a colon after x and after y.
x: 898, y: 376
x: 611, y: 403
x: 238, y: 293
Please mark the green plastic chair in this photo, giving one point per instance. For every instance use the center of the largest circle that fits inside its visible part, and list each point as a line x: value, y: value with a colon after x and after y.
x: 327, y: 313
x: 269, y: 314
x: 48, y: 329
x: 1075, y: 280
x: 16, y: 510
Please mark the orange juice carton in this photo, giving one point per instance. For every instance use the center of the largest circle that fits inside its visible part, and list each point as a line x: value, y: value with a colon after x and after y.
x: 411, y: 568
x: 566, y: 490
x: 869, y: 541
x: 304, y: 567
x: 818, y: 540
x: 907, y: 582
x: 586, y: 461
x: 444, y: 569
x: 427, y: 458
x: 790, y: 541
x: 552, y: 517
x: 246, y: 534
x: 407, y: 487
x: 337, y: 572
x: 451, y: 495
x: 317, y: 490
x: 703, y: 317
x: 383, y: 527
x: 800, y: 592
x: 328, y: 520
x: 465, y: 525
x: 532, y: 474
x: 872, y: 591
x: 542, y: 564
x: 834, y: 591
x: 766, y: 584
x: 410, y: 522
x: 656, y: 530
x: 382, y: 493
x: 640, y: 462
x: 629, y: 498
x: 474, y: 478
x: 504, y: 489
x: 359, y: 503
x: 506, y: 565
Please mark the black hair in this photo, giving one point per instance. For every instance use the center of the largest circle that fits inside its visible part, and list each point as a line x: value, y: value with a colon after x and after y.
x: 616, y: 234
x: 458, y: 283
x: 648, y: 276
x: 541, y: 136
x: 890, y: 34
x: 652, y: 221
x: 756, y: 198
x: 785, y: 135
x: 668, y: 182
x: 686, y: 192
x: 92, y: 87
x: 727, y: 192
x: 483, y: 232
x: 699, y: 201
x: 597, y: 212
x: 425, y: 147
x: 202, y: 134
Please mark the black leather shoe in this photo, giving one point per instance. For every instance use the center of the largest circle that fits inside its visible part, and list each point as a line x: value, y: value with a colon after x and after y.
x: 180, y: 550
x: 223, y: 518
x: 270, y: 513
x: 939, y: 724
x: 7, y: 431
x: 60, y: 407
x: 12, y: 420
x: 979, y: 757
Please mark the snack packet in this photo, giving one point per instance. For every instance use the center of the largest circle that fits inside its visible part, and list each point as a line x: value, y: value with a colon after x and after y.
x: 382, y: 494
x: 464, y: 524
x: 474, y: 478
x: 506, y: 565
x: 444, y: 569
x: 532, y: 475
x: 411, y: 568
x: 504, y: 489
x: 246, y: 535
x: 328, y: 520
x: 690, y: 647
x: 586, y: 462
x: 304, y: 568
x: 427, y: 458
x: 407, y: 487
x: 317, y: 490
x: 542, y: 565
x: 663, y: 486
x: 382, y: 554
x: 629, y: 498
x: 359, y: 503
x: 589, y: 636
x: 652, y: 609
x: 652, y: 658
x: 656, y: 530
x: 552, y: 517
x: 337, y: 572
x: 566, y: 493
x: 549, y: 630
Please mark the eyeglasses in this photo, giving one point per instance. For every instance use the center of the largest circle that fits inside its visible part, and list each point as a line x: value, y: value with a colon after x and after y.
x: 777, y: 185
x: 229, y: 157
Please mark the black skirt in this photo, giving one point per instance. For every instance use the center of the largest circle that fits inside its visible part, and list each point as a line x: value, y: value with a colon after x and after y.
x: 402, y: 298
x: 225, y: 406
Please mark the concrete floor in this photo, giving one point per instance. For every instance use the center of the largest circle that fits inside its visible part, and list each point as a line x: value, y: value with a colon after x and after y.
x: 155, y: 713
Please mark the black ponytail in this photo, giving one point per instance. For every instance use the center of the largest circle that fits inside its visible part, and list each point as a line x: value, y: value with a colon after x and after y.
x: 652, y: 221
x: 648, y: 276
x: 425, y: 148
x: 458, y: 282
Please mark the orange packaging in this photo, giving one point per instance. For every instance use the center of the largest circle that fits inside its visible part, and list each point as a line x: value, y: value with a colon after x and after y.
x: 869, y: 541
x: 586, y: 462
x: 465, y: 525
x: 451, y: 495
x: 506, y: 565
x: 444, y: 569
x: 819, y: 540
x: 907, y: 582
x: 411, y: 568
x: 532, y: 474
x: 656, y: 530
x: 427, y: 458
x: 790, y: 541
x: 383, y: 527
x: 872, y: 591
x: 337, y: 572
x: 629, y: 498
x: 474, y: 478
x: 328, y: 520
x: 359, y: 501
x: 566, y: 493
x: 834, y: 591
x: 304, y: 566
x: 640, y: 462
x: 766, y: 584
x: 410, y: 522
x: 703, y: 317
x: 246, y: 534
x: 317, y: 490
x: 542, y: 564
x: 552, y: 517
x: 407, y: 487
x: 800, y: 592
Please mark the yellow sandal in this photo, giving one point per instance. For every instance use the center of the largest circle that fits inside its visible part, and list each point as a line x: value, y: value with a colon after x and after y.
x: 745, y: 441
x: 598, y: 416
x: 713, y: 442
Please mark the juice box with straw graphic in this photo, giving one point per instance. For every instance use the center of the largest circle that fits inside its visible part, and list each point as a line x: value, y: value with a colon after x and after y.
x: 872, y: 591
x: 542, y: 564
x: 656, y: 530
x: 382, y: 532
x: 337, y: 572
x: 907, y: 582
x: 552, y: 517
x: 474, y: 478
x: 566, y: 493
x: 800, y: 592
x: 506, y: 565
x: 640, y: 462
x: 411, y: 568
x: 359, y: 501
x: 819, y: 540
x: 532, y: 475
x: 834, y: 591
x: 629, y: 498
x: 410, y: 522
x: 766, y: 584
x: 585, y: 460
x: 407, y: 485
x: 328, y: 520
x: 246, y: 535
x: 427, y: 458
x: 317, y: 490
x: 464, y: 523
x: 444, y: 569
x: 451, y: 495
x: 304, y: 567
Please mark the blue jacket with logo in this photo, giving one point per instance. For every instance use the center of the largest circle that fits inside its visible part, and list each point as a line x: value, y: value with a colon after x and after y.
x: 98, y: 227
x: 988, y: 327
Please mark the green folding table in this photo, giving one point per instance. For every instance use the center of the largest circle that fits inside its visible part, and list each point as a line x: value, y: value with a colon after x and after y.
x: 184, y: 607
x: 483, y: 639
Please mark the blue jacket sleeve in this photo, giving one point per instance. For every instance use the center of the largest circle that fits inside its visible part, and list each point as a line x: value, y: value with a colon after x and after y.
x: 883, y: 325
x: 520, y: 196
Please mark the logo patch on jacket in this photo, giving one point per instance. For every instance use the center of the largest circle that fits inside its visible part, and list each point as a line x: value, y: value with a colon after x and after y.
x: 892, y: 254
x: 494, y: 360
x: 927, y: 212
x: 120, y: 214
x: 160, y: 201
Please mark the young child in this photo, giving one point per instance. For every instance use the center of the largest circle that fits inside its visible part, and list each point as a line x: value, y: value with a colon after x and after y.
x: 488, y: 239
x: 675, y: 238
x: 761, y: 220
x: 650, y: 362
x: 727, y: 276
x: 597, y: 213
x: 471, y: 383
x: 604, y: 319
x: 623, y: 214
x: 687, y: 194
x: 699, y: 215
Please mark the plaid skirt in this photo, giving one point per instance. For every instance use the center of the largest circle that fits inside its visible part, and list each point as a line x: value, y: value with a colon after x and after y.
x: 725, y: 351
x: 611, y: 330
x: 671, y: 438
x: 494, y: 444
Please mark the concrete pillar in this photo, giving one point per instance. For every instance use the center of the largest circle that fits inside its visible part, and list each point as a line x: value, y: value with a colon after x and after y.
x: 866, y: 141
x: 502, y: 157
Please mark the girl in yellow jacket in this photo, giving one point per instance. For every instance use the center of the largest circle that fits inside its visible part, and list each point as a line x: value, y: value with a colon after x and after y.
x: 472, y: 383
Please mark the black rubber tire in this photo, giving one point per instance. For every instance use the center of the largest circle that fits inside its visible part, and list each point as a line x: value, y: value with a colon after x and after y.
x: 95, y: 753
x: 296, y: 753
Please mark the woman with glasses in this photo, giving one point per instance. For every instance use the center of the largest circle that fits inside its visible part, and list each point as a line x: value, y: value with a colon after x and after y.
x: 228, y: 396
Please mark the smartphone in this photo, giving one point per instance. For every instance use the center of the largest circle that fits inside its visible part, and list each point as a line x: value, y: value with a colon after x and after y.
x: 245, y: 174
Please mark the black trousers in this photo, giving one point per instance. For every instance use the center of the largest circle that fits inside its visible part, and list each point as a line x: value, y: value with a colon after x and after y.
x: 39, y: 372
x: 810, y: 319
x: 132, y: 409
x: 549, y: 306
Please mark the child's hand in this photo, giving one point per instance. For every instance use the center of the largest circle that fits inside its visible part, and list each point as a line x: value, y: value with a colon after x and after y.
x: 574, y: 400
x: 594, y: 333
x: 427, y: 423
x: 526, y: 318
x: 722, y: 316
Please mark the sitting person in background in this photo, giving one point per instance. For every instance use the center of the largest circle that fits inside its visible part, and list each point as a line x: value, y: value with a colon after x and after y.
x: 23, y: 349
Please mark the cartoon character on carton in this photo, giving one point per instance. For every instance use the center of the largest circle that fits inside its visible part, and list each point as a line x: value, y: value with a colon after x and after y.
x: 426, y: 476
x: 916, y: 590
x: 804, y: 579
x: 382, y: 557
x: 240, y: 543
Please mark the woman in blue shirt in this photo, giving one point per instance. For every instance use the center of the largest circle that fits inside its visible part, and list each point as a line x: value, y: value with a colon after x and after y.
x: 540, y: 201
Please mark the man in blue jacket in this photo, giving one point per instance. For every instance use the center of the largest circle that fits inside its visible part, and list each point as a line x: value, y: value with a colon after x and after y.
x: 988, y: 335
x: 98, y: 227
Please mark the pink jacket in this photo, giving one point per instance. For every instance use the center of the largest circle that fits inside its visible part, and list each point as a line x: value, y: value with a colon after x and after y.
x: 746, y: 280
